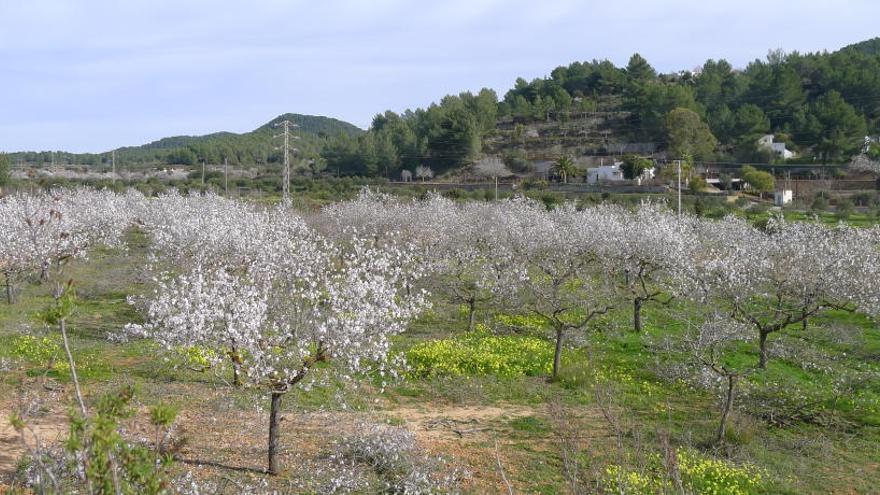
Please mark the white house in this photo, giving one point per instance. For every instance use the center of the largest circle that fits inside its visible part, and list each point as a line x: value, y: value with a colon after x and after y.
x: 605, y: 173
x: 766, y: 142
x: 782, y: 198
x: 647, y: 174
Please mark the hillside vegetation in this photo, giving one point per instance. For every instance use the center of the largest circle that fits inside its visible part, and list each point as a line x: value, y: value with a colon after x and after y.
x: 254, y: 147
x: 821, y: 106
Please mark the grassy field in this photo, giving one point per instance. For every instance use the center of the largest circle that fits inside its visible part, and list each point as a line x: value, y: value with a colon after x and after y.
x: 810, y: 423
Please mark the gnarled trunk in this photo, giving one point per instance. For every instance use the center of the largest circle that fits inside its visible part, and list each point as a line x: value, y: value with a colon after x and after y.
x: 637, y: 315
x: 274, y: 431
x: 762, y: 342
x: 236, y: 364
x: 728, y: 405
x: 557, y: 354
x: 472, y: 311
x: 10, y: 291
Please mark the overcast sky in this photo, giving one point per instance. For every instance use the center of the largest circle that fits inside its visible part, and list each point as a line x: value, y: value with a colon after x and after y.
x: 92, y: 75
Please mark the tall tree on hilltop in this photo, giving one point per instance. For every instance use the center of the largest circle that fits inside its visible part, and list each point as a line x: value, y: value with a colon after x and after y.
x: 639, y: 70
x: 689, y: 135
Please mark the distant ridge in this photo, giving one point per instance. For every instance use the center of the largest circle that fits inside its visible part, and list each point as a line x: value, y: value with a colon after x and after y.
x: 870, y: 47
x: 254, y: 147
x: 315, y: 125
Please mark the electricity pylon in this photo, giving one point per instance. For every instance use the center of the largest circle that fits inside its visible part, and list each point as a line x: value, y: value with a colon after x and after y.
x: 285, y: 186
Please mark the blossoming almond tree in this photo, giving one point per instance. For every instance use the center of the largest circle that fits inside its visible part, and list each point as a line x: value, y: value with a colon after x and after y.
x: 783, y: 275
x: 300, y: 301
x: 709, y: 343
x: 650, y: 254
x: 453, y: 242
x: 561, y: 258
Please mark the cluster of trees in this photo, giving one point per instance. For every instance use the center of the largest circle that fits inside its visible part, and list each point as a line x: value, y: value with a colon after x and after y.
x: 252, y: 286
x: 819, y: 104
x: 277, y: 299
x: 41, y: 232
x: 443, y: 136
x: 567, y: 266
x: 824, y: 100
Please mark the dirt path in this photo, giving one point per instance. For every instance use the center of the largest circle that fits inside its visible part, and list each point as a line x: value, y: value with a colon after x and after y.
x: 449, y: 422
x: 50, y: 428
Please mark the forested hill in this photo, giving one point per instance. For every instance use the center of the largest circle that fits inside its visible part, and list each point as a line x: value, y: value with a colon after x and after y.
x: 870, y: 47
x: 254, y: 147
x: 821, y: 106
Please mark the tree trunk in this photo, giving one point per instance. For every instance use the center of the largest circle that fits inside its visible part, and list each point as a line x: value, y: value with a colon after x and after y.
x: 472, y: 311
x: 762, y: 341
x: 236, y: 381
x: 728, y: 404
x: 10, y: 291
x: 805, y: 324
x: 274, y: 426
x: 637, y: 314
x: 557, y: 354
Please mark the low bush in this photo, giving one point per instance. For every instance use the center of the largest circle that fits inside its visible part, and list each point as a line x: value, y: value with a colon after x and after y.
x: 378, y: 458
x: 97, y: 457
x: 41, y: 351
x: 696, y: 472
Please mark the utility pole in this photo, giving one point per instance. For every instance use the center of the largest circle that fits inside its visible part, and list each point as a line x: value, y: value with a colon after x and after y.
x: 226, y: 175
x: 203, y: 174
x: 113, y: 166
x: 678, y: 169
x: 285, y: 185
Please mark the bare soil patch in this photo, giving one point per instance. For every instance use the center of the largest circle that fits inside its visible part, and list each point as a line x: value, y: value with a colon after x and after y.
x: 50, y: 427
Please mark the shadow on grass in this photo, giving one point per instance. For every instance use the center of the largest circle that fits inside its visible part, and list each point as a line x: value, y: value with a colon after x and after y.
x: 239, y: 469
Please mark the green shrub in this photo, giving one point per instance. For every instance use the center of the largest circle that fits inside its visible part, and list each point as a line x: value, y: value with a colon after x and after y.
x: 41, y: 351
x: 46, y: 354
x: 819, y: 204
x: 528, y: 322
x: 35, y: 349
x: 194, y: 356
x: 698, y: 474
x: 518, y: 161
x: 97, y: 458
x: 480, y: 353
x: 707, y: 475
x: 844, y: 209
